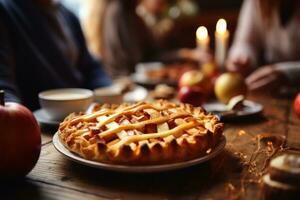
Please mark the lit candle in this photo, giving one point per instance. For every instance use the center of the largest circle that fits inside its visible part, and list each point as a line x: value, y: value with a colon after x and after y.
x: 221, y: 42
x: 202, y: 38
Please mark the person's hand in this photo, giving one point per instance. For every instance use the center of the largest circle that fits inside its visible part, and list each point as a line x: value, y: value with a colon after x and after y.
x: 240, y: 64
x: 266, y: 79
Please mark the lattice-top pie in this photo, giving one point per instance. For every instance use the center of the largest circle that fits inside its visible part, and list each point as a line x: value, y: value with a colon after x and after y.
x: 141, y: 133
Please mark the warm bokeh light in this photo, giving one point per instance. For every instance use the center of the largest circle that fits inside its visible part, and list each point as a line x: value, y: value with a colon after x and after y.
x: 202, y: 33
x: 221, y: 26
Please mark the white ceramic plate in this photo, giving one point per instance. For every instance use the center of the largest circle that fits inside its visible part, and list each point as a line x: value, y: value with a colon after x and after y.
x: 136, y: 169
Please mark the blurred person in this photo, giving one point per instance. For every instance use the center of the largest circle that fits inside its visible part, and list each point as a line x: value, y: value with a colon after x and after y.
x: 121, y: 38
x: 152, y: 13
x: 42, y: 47
x: 92, y: 24
x: 268, y: 36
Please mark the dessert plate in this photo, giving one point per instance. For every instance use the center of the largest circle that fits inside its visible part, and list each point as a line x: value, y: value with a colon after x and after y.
x: 136, y: 168
x: 144, y: 81
x: 43, y: 119
x: 250, y: 109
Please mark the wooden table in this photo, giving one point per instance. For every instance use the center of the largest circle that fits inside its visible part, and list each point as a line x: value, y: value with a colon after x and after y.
x: 234, y: 174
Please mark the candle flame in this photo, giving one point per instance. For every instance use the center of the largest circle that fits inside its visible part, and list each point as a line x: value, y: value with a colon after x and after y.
x: 202, y: 33
x: 221, y: 26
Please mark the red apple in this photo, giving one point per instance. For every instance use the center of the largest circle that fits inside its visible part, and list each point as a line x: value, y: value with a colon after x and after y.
x: 20, y: 140
x: 191, y: 95
x: 195, y: 78
x: 297, y: 105
x: 191, y: 78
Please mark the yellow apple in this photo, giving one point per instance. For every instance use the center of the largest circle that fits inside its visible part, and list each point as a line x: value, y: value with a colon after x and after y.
x: 229, y: 85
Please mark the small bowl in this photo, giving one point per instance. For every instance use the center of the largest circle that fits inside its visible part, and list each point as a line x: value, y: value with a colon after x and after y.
x: 58, y: 103
x: 111, y: 95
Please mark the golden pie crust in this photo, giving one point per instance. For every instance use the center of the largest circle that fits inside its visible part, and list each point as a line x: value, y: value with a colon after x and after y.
x: 142, y: 133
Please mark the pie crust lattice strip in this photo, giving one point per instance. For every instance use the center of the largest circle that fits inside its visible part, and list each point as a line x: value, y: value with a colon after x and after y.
x: 142, y: 133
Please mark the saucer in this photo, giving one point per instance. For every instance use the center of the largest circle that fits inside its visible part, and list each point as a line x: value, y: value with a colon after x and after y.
x: 43, y: 119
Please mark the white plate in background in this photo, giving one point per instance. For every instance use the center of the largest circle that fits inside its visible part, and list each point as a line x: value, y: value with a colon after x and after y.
x: 142, y: 80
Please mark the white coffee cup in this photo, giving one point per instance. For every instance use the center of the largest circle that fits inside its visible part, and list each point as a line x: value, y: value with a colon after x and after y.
x: 58, y: 103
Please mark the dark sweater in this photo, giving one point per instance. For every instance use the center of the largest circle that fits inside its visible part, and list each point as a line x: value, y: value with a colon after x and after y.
x: 33, y: 59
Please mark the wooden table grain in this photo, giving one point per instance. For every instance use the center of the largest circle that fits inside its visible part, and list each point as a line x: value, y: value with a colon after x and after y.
x: 234, y: 174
